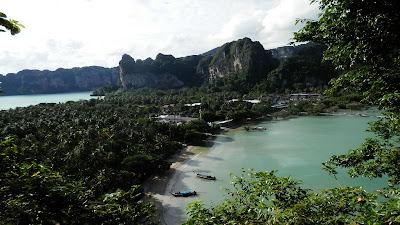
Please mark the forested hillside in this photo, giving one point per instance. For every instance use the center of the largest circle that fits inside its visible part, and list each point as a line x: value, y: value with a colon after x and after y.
x: 80, y: 162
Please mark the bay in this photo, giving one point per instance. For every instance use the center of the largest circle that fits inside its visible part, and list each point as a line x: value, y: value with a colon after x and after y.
x: 295, y: 147
x: 13, y: 101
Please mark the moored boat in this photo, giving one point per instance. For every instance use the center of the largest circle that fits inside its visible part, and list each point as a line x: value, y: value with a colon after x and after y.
x: 247, y: 128
x: 208, y: 177
x: 258, y: 128
x: 184, y: 193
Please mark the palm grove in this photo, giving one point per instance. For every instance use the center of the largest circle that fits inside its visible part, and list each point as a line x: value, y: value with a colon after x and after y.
x: 82, y: 162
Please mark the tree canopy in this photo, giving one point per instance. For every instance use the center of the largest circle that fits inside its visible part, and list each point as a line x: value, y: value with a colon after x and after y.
x: 362, y: 38
x: 264, y: 198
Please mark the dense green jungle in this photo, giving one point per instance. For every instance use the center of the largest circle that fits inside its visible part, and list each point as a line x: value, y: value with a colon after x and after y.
x: 83, y: 162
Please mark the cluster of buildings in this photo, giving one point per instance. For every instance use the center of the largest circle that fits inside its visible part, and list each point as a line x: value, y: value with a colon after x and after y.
x: 277, y: 100
x: 284, y: 100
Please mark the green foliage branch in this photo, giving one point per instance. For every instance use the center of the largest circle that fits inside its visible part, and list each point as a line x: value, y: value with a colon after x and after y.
x: 8, y: 24
x: 362, y: 39
x: 264, y: 198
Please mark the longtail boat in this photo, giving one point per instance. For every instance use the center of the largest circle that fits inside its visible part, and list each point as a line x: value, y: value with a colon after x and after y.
x: 184, y: 193
x: 207, y: 177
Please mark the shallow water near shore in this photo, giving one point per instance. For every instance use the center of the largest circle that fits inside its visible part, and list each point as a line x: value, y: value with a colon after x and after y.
x: 295, y: 147
x: 13, y: 101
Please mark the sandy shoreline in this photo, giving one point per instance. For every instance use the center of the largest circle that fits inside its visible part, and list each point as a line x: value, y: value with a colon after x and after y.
x: 155, y: 189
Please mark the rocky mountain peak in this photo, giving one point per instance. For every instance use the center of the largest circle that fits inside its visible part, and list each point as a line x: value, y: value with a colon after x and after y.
x: 243, y: 56
x: 145, y: 74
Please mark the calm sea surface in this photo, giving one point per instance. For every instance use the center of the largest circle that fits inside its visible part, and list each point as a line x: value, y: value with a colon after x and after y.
x: 295, y: 147
x: 10, y: 102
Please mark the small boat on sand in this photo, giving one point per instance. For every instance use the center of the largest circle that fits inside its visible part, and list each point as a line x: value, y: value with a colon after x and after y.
x: 207, y: 177
x: 184, y: 193
x: 258, y: 128
x: 247, y: 128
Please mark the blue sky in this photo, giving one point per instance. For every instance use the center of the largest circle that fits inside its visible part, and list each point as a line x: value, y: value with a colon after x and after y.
x: 75, y: 33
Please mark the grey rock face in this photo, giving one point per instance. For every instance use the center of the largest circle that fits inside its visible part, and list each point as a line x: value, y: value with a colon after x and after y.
x: 248, y: 58
x: 283, y: 52
x: 59, y: 81
x: 133, y: 76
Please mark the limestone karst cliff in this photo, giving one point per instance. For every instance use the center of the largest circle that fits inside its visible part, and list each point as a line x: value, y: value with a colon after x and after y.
x: 140, y: 74
x: 286, y: 52
x: 283, y: 52
x: 237, y: 65
x: 303, y: 69
x: 59, y: 81
x: 246, y: 58
x: 248, y: 61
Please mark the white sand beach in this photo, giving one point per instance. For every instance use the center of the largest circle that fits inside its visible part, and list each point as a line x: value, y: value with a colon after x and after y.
x: 158, y: 189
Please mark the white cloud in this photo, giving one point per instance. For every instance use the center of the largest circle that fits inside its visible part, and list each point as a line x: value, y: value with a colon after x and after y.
x: 71, y: 33
x: 279, y: 23
x: 248, y: 25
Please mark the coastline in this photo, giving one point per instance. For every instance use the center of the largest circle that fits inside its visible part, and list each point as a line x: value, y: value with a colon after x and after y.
x: 156, y: 188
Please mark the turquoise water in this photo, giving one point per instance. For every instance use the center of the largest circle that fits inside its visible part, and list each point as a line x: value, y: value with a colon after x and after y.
x: 295, y: 147
x: 11, y: 102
